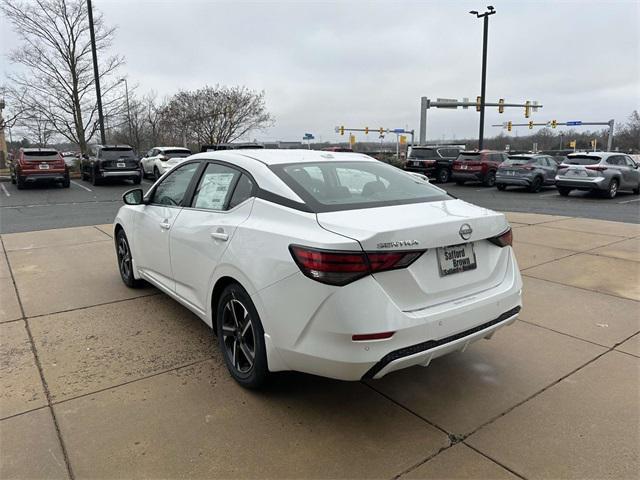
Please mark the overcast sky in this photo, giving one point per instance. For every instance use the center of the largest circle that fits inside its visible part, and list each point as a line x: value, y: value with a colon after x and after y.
x: 367, y: 63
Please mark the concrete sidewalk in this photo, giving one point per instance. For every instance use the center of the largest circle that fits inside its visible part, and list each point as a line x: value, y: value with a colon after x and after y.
x: 97, y: 380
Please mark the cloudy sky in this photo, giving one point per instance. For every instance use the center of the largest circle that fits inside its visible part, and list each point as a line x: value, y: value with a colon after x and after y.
x: 367, y: 63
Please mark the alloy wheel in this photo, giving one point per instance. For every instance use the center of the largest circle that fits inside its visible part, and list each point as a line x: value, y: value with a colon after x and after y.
x: 124, y: 257
x: 238, y: 336
x: 613, y: 189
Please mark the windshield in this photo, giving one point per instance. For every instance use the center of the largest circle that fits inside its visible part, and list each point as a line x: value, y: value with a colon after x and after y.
x: 424, y: 153
x: 469, y: 157
x: 116, y: 153
x: 582, y: 160
x: 333, y: 186
x: 518, y: 160
x: 181, y: 153
x: 45, y: 155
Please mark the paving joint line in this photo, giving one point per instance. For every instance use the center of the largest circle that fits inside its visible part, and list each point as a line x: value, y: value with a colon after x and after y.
x: 31, y: 410
x: 56, y: 246
x: 45, y: 386
x: 582, y: 288
x: 519, y: 475
x: 102, y: 231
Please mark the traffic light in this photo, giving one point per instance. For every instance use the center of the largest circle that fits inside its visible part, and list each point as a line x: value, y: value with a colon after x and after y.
x: 554, y: 123
x: 381, y: 131
x: 501, y: 105
x: 530, y: 124
x: 527, y: 109
x: 403, y: 139
x: 478, y: 103
x: 509, y: 126
x: 572, y: 144
x: 342, y: 130
x: 366, y: 130
x: 352, y: 139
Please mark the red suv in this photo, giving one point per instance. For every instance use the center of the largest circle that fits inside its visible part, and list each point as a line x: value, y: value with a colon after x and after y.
x: 32, y: 165
x: 477, y: 166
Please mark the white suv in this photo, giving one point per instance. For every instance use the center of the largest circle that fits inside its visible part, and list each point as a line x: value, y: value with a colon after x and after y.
x: 160, y: 159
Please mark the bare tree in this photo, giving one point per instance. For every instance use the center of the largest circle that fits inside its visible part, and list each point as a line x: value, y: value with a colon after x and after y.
x: 58, y: 77
x: 216, y: 114
x: 37, y: 127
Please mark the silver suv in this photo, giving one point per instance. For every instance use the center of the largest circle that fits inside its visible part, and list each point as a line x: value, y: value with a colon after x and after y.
x: 532, y: 171
x: 602, y: 172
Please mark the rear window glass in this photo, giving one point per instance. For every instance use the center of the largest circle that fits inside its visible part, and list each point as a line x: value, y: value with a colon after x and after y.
x: 177, y: 153
x: 582, y: 160
x: 519, y: 160
x: 116, y: 153
x: 424, y: 153
x: 333, y: 186
x: 44, y: 155
x: 469, y: 157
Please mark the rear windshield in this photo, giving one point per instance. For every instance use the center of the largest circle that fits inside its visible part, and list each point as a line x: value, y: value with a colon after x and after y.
x: 333, y: 186
x: 519, y: 160
x: 469, y: 157
x: 177, y: 153
x: 582, y: 160
x: 424, y: 153
x: 43, y: 155
x: 115, y: 153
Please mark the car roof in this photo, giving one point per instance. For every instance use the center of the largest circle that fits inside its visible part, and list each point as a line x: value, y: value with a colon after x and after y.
x: 114, y: 146
x: 277, y: 156
x: 38, y: 149
x: 594, y: 154
x: 172, y: 148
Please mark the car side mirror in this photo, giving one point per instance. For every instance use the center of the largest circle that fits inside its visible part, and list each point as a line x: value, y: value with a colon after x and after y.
x: 133, y: 197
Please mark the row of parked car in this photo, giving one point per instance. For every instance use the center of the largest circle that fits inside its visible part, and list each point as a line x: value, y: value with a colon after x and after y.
x: 606, y: 173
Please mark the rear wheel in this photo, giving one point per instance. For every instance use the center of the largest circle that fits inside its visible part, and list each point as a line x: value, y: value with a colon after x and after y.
x: 241, y: 337
x: 564, y: 191
x: 612, y: 191
x: 94, y: 178
x: 636, y: 191
x: 536, y: 184
x: 489, y: 179
x: 66, y: 182
x: 125, y: 261
x: 20, y: 183
x: 443, y: 175
x: 137, y: 180
x: 13, y: 178
x: 501, y: 186
x: 156, y: 173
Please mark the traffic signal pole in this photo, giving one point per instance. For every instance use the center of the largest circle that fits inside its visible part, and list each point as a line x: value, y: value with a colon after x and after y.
x: 483, y: 86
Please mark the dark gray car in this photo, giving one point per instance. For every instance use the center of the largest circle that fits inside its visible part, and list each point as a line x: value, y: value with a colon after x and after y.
x: 531, y: 171
x: 602, y: 172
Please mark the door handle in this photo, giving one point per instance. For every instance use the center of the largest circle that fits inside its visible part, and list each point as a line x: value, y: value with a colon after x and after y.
x: 165, y: 225
x: 220, y: 235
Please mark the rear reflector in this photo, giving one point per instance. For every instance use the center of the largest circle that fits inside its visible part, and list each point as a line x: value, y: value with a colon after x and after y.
x: 372, y: 336
x: 504, y: 239
x: 336, y: 267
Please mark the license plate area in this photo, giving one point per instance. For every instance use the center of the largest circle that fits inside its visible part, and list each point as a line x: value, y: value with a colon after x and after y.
x: 44, y: 166
x: 456, y: 258
x: 121, y: 164
x: 577, y: 173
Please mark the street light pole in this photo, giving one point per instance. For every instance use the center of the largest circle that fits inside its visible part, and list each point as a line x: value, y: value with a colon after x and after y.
x: 96, y: 73
x: 126, y: 92
x: 485, y: 38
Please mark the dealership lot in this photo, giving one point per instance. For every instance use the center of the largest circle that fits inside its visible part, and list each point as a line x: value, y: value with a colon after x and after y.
x: 104, y: 381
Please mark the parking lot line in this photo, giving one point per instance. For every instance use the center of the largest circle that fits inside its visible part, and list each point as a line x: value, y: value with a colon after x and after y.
x: 4, y: 189
x: 81, y: 186
x: 629, y: 201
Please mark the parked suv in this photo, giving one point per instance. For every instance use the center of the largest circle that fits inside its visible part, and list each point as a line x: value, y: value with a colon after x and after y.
x: 160, y: 159
x: 110, y: 161
x: 531, y: 171
x: 602, y: 172
x: 477, y: 166
x: 32, y: 165
x: 433, y: 161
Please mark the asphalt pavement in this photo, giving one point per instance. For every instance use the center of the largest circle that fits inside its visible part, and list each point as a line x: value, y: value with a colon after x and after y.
x: 45, y: 207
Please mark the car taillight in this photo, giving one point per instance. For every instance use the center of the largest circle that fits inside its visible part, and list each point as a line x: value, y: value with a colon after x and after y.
x: 504, y: 239
x: 598, y: 168
x: 340, y: 267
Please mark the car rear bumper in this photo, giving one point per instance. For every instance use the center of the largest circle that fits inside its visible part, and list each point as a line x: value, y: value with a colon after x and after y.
x: 120, y: 173
x: 43, y: 177
x: 466, y: 176
x: 594, y: 183
x: 428, y: 171
x: 513, y: 180
x: 322, y: 344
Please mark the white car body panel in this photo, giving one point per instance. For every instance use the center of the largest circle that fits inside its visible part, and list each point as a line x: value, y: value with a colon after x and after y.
x: 309, y: 325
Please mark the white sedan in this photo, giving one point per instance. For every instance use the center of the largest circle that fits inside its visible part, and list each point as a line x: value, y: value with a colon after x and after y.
x: 333, y: 264
x: 160, y: 159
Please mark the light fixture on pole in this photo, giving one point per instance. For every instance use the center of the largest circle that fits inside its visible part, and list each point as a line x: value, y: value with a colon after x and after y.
x: 485, y: 16
x: 126, y: 91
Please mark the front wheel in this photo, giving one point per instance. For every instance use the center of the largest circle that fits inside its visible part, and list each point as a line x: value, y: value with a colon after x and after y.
x: 443, y: 175
x: 636, y: 191
x: 490, y: 179
x: 501, y: 186
x: 564, y: 191
x: 241, y: 337
x: 125, y: 261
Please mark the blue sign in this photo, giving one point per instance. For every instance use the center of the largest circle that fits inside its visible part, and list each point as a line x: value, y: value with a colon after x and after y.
x: 308, y: 136
x: 398, y: 130
x: 575, y: 122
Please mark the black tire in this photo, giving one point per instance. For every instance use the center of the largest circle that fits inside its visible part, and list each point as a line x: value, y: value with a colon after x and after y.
x: 612, y: 191
x: 248, y: 366
x: 636, y: 191
x: 137, y: 180
x: 564, y: 191
x: 156, y: 173
x: 460, y: 182
x: 13, y: 179
x: 489, y: 179
x: 66, y: 183
x: 144, y: 174
x: 443, y: 175
x: 20, y: 182
x: 501, y: 186
x: 536, y: 185
x: 94, y: 179
x: 125, y: 263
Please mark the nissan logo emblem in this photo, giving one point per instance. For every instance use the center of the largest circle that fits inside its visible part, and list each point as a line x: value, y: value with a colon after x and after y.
x: 466, y: 231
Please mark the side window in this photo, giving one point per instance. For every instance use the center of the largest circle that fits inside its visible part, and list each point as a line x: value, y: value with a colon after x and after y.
x: 243, y: 190
x: 630, y: 161
x: 214, y: 187
x: 171, y: 190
